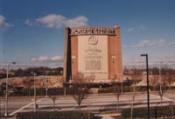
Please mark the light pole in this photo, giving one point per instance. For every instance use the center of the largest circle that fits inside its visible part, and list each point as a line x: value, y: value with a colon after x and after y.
x: 34, y: 94
x: 147, y: 77
x: 6, y: 92
x: 160, y: 80
x: 133, y: 99
x: 46, y: 87
x: 46, y: 84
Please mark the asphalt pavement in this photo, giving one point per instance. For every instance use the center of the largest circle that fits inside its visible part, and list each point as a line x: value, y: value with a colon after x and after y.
x: 91, y: 102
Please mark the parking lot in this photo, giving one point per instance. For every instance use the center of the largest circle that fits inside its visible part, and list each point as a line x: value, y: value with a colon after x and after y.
x: 91, y: 102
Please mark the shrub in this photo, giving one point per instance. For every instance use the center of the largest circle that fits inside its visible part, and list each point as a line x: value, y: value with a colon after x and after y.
x: 55, y: 115
x: 163, y: 111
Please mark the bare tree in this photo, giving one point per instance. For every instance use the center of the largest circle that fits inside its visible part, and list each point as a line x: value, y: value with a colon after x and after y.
x: 133, y: 99
x: 79, y: 93
x: 53, y: 98
x: 80, y: 88
x: 117, y: 92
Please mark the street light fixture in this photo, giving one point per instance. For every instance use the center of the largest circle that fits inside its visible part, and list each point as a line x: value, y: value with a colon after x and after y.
x: 34, y: 94
x: 6, y: 92
x: 46, y: 84
x: 147, y: 77
x: 160, y: 80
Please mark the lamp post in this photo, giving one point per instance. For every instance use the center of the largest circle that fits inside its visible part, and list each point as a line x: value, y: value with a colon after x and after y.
x: 147, y: 77
x: 46, y: 84
x: 133, y: 99
x: 46, y: 87
x: 160, y: 80
x: 6, y: 92
x: 34, y: 94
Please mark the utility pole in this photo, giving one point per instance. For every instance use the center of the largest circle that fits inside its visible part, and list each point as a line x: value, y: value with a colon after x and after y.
x: 147, y: 76
x: 133, y: 99
x: 160, y: 79
x: 6, y: 92
x: 34, y: 89
x: 46, y: 82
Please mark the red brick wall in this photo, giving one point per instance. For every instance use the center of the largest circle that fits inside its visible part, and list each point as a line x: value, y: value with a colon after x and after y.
x: 74, y: 52
x: 114, y: 56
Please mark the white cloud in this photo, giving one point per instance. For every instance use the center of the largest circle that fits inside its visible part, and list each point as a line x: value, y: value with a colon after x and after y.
x: 130, y: 29
x: 28, y: 22
x: 76, y: 22
x: 48, y: 59
x: 136, y: 28
x: 153, y: 61
x: 3, y: 22
x: 57, y: 58
x: 58, y: 21
x: 169, y: 59
x: 173, y: 43
x: 150, y: 43
x: 52, y: 20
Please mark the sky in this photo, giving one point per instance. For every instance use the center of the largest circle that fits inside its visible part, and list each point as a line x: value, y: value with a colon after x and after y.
x: 32, y: 31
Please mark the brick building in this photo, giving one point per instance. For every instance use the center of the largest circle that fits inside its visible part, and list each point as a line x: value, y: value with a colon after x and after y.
x: 93, y: 53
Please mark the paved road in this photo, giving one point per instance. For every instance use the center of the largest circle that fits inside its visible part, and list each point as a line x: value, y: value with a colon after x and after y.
x: 91, y: 102
x: 14, y: 103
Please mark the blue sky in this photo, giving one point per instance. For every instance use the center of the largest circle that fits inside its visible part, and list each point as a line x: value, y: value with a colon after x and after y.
x: 33, y: 30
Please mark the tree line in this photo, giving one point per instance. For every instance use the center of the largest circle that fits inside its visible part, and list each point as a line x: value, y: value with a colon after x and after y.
x: 28, y: 71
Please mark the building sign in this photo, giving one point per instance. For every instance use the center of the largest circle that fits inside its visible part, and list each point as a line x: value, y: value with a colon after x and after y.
x: 93, y: 31
x: 92, y: 55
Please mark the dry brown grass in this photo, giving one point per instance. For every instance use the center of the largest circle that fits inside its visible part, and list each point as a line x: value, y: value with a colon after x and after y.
x: 41, y: 81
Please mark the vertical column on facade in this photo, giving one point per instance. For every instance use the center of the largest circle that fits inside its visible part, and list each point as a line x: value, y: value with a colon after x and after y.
x: 118, y: 54
x: 67, y: 55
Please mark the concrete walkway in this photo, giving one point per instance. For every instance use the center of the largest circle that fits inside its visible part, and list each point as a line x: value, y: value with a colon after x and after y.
x: 109, y: 116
